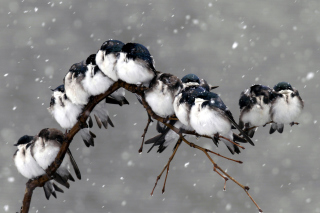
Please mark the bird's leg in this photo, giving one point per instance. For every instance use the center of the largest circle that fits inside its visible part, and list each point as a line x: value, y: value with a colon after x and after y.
x: 145, y: 132
x: 220, y: 136
x: 270, y: 122
x: 167, y: 167
x: 294, y: 123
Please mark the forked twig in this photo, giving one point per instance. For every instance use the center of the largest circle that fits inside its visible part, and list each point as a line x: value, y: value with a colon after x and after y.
x: 245, y: 188
x: 166, y: 167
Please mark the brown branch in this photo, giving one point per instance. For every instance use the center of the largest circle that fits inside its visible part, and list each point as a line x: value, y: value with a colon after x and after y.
x: 145, y: 132
x: 40, y: 181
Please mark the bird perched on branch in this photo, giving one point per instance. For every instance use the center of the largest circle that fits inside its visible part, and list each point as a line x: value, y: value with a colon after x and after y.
x: 135, y: 65
x: 84, y: 80
x: 36, y: 153
x: 96, y: 82
x: 286, y: 106
x: 167, y: 135
x: 161, y: 93
x: 210, y: 116
x: 66, y: 114
x: 255, y: 104
x: 107, y: 57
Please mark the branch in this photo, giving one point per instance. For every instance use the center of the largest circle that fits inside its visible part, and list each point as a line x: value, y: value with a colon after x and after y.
x: 41, y: 180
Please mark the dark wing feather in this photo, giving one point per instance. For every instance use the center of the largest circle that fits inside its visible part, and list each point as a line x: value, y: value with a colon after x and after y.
x: 74, y: 164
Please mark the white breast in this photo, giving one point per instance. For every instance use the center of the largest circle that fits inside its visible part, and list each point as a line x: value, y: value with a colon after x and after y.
x: 258, y: 115
x: 206, y: 121
x: 285, y: 109
x: 96, y: 84
x: 107, y: 64
x: 75, y: 91
x: 133, y: 72
x: 160, y: 100
x: 26, y: 164
x: 181, y: 110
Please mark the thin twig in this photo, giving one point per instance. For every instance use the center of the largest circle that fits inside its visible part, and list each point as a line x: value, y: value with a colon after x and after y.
x: 145, y: 132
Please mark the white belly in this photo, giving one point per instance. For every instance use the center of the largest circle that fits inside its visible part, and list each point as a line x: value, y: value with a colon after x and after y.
x: 133, y: 72
x: 285, y: 112
x: 206, y: 121
x: 257, y: 116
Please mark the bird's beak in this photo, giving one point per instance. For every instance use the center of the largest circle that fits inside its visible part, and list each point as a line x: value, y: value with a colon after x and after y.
x: 15, y: 144
x: 213, y: 87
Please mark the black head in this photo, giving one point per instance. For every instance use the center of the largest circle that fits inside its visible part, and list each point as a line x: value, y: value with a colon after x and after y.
x: 171, y: 80
x: 112, y: 46
x: 59, y: 88
x: 282, y: 86
x: 78, y: 69
x: 214, y: 100
x: 51, y: 134
x: 91, y: 59
x: 200, y: 92
x: 204, y: 84
x: 24, y: 140
x: 190, y: 78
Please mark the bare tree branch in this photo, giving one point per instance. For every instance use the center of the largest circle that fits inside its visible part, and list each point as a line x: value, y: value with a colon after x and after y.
x: 40, y: 181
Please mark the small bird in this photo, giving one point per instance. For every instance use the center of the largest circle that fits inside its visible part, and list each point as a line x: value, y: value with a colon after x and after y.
x: 96, y: 82
x: 286, y: 106
x: 210, y: 116
x: 180, y: 103
x: 73, y: 84
x: 161, y: 93
x: 33, y: 156
x: 66, y: 114
x: 107, y: 56
x: 135, y: 65
x: 255, y: 103
x: 45, y: 149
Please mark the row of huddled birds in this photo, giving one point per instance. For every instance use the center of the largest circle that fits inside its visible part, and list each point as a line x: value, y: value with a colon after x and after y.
x: 190, y: 99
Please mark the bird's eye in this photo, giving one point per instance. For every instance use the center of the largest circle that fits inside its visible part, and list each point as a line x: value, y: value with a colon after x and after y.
x: 65, y: 96
x: 117, y: 55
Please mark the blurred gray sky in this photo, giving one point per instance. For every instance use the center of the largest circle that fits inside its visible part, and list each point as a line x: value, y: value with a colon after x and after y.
x: 233, y: 44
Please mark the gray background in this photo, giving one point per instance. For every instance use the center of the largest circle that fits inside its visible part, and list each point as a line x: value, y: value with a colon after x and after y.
x: 276, y: 41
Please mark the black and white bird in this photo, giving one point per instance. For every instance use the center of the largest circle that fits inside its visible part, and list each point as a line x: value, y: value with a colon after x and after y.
x: 35, y: 154
x: 210, y: 116
x: 135, y: 65
x: 66, y: 114
x: 286, y: 106
x: 97, y: 82
x: 84, y: 80
x: 107, y: 57
x: 161, y: 93
x: 255, y: 104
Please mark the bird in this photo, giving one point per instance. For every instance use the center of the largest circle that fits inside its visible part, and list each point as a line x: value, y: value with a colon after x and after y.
x: 45, y: 149
x: 28, y: 163
x: 135, y: 65
x: 107, y: 57
x: 161, y: 93
x: 285, y: 107
x: 97, y: 82
x: 66, y: 114
x: 167, y: 136
x: 73, y: 84
x: 255, y: 104
x: 208, y: 115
